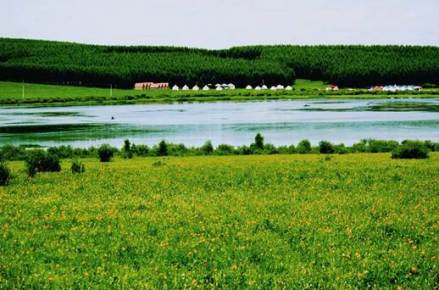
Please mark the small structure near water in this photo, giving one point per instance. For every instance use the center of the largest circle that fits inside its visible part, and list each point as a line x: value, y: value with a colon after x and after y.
x: 332, y: 87
x: 150, y: 85
x: 395, y: 88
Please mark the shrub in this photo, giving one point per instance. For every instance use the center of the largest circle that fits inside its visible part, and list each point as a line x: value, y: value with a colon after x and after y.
x: 61, y: 151
x: 5, y: 174
x: 105, y: 153
x: 259, y: 141
x: 140, y: 150
x: 376, y: 146
x: 360, y: 147
x: 177, y: 150
x: 341, y: 149
x: 77, y: 167
x: 11, y: 152
x: 410, y: 150
x: 42, y: 161
x: 270, y: 149
x: 207, y: 148
x: 126, y: 151
x: 244, y: 150
x: 304, y: 147
x: 162, y: 149
x: 224, y: 149
x: 326, y: 147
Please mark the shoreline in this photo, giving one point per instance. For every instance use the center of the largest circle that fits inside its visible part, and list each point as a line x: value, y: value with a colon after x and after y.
x: 207, y: 98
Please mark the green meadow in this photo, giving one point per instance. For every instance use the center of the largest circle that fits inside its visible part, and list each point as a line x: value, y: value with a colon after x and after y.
x: 62, y: 95
x: 351, y: 221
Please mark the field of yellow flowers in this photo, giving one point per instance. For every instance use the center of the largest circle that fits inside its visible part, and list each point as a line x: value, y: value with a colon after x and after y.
x: 345, y: 221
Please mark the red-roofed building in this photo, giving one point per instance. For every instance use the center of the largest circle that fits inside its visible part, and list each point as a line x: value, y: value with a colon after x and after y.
x: 150, y: 85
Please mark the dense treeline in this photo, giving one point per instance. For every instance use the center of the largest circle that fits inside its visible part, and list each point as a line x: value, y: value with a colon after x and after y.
x: 68, y: 63
x: 360, y: 66
x: 54, y: 62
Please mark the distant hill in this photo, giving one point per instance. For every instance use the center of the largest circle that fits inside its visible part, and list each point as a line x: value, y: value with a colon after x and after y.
x: 92, y: 65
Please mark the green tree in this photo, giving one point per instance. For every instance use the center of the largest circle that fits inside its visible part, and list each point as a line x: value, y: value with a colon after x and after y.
x: 259, y: 141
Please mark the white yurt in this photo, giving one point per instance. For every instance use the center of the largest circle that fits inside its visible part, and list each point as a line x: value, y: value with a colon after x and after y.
x: 258, y: 88
x: 175, y: 88
x: 289, y: 88
x: 185, y: 88
x: 206, y: 88
x: 264, y: 87
x: 196, y: 88
x: 249, y: 87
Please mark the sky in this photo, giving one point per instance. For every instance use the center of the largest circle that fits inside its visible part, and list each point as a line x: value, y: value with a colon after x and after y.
x: 223, y: 23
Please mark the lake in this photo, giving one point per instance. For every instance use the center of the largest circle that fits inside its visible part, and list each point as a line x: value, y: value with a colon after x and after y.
x: 281, y: 122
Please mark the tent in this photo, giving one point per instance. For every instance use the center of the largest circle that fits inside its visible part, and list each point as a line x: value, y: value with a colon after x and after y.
x: 289, y: 88
x: 206, y: 88
x: 219, y: 88
x: 264, y: 87
x: 185, y: 88
x: 249, y: 87
x: 258, y: 88
x: 280, y: 87
x: 196, y: 88
x: 175, y: 88
x: 273, y: 88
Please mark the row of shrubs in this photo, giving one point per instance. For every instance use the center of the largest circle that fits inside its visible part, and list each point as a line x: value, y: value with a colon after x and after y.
x: 129, y: 150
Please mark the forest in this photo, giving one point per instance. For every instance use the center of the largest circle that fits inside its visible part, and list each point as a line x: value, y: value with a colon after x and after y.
x: 121, y: 66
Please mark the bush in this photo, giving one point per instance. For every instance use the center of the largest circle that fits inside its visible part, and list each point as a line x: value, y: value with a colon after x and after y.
x: 244, y: 150
x: 140, y: 150
x: 42, y: 161
x: 304, y: 147
x: 5, y: 174
x: 77, y: 167
x: 376, y: 146
x: 126, y: 151
x: 105, y: 153
x: 270, y: 149
x: 207, y: 148
x: 410, y: 150
x: 224, y: 149
x: 259, y: 141
x: 326, y: 147
x: 162, y: 150
x: 341, y: 149
x: 11, y: 152
x: 62, y: 151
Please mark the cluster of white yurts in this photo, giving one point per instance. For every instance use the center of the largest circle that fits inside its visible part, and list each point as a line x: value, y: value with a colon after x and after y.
x: 273, y: 88
x: 220, y: 87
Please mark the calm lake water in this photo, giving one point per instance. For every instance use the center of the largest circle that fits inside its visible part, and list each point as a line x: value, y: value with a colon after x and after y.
x: 281, y: 122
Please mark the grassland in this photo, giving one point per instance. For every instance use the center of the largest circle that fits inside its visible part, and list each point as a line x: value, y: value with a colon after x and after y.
x: 54, y: 95
x: 294, y: 222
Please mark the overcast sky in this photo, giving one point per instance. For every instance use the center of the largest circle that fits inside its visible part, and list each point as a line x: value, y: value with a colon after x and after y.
x: 223, y: 23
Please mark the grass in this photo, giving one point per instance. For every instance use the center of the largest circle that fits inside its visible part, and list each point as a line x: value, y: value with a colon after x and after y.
x: 55, y: 95
x: 294, y: 222
x: 310, y: 85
